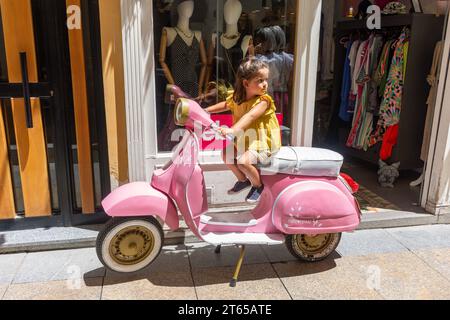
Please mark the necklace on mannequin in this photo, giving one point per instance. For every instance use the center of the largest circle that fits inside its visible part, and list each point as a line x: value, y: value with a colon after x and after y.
x: 232, y: 37
x: 190, y: 36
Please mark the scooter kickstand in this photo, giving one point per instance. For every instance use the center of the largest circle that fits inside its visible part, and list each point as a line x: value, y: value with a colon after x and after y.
x: 217, y: 250
x: 238, y: 267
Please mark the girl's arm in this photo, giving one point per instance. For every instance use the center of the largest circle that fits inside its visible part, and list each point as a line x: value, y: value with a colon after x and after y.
x: 256, y: 112
x: 218, y: 108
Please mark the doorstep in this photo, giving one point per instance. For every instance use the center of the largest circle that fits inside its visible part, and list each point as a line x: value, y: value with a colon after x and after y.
x: 57, y: 238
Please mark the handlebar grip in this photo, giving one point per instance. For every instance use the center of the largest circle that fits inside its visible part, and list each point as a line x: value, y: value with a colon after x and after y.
x: 229, y: 137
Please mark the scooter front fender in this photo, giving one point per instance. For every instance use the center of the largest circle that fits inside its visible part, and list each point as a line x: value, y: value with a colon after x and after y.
x: 141, y: 199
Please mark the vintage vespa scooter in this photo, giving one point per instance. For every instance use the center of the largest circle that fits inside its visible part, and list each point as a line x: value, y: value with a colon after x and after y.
x: 306, y: 203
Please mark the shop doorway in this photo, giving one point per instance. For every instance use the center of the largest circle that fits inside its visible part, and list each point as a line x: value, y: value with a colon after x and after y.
x: 53, y: 151
x: 358, y: 125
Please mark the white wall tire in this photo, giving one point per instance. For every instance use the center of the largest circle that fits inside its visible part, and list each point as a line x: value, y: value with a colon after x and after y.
x: 312, y: 248
x: 127, y: 245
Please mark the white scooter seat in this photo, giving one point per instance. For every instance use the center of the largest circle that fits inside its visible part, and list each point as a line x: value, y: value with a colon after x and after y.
x: 304, y: 161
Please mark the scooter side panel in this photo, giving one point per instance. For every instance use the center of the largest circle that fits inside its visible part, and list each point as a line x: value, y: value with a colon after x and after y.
x: 141, y: 199
x: 315, y: 207
x: 196, y: 193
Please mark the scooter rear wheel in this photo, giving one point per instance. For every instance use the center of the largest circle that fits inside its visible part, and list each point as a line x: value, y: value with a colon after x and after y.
x: 312, y: 248
x: 128, y: 245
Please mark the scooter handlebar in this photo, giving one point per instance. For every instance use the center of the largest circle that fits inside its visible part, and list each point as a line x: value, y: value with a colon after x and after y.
x: 216, y: 128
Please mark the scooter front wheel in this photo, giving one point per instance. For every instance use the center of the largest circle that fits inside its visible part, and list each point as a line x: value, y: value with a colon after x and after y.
x: 312, y: 248
x: 128, y: 245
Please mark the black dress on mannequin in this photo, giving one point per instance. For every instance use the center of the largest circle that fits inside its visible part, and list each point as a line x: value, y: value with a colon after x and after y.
x: 228, y: 60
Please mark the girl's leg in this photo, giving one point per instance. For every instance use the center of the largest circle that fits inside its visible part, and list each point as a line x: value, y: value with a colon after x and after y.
x: 228, y: 157
x: 246, y: 165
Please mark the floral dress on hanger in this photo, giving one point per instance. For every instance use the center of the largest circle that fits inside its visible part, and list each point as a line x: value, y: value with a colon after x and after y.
x: 392, y: 99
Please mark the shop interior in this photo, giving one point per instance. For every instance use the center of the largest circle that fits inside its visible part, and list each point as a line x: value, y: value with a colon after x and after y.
x: 201, y: 45
x: 376, y: 92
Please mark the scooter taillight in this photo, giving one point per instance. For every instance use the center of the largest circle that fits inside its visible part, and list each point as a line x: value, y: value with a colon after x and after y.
x: 350, y: 182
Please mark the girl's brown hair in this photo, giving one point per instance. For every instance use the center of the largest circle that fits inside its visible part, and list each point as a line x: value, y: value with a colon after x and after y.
x: 248, y: 70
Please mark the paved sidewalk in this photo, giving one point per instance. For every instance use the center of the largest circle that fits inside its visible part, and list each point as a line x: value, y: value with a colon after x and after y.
x: 399, y: 263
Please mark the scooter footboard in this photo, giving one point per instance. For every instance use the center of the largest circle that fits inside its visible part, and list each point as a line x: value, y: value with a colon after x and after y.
x: 315, y: 207
x: 141, y: 199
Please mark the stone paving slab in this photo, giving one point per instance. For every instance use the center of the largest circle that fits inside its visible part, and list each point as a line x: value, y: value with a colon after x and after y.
x: 421, y: 237
x: 55, y: 290
x: 9, y: 264
x: 366, y: 242
x: 256, y: 282
x: 334, y: 278
x: 201, y: 255
x: 150, y: 286
x: 438, y: 259
x: 3, y: 288
x: 401, y: 276
x: 445, y: 218
x: 59, y: 265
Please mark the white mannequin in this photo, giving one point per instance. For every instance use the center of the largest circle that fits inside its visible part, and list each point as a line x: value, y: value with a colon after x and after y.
x: 231, y: 12
x: 185, y: 10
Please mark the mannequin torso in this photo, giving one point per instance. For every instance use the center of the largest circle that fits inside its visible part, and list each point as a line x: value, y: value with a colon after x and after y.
x: 232, y: 45
x: 186, y: 49
x: 186, y: 36
x: 229, y: 42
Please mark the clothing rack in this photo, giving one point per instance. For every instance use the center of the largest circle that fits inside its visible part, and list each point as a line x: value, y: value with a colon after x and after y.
x: 425, y: 31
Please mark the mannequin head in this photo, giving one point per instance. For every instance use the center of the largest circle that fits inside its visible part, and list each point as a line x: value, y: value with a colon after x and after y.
x: 232, y: 11
x: 186, y: 9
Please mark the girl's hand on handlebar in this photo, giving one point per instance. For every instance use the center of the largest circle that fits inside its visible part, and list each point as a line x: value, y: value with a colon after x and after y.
x: 226, y: 131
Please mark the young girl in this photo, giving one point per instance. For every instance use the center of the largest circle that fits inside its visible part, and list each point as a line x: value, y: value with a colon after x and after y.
x: 255, y: 127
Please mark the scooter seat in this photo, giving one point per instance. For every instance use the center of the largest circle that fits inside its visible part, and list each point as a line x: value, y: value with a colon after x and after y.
x: 304, y: 161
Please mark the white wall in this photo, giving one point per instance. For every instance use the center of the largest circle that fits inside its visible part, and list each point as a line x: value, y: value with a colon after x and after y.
x: 436, y: 188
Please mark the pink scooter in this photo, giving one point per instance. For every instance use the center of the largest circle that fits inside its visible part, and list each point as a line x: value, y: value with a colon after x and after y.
x: 306, y: 203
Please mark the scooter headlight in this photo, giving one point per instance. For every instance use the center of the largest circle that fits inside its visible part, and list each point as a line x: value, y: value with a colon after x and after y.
x: 181, y: 112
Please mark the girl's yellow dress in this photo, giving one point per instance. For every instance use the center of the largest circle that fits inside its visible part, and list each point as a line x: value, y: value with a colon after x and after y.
x: 264, y: 133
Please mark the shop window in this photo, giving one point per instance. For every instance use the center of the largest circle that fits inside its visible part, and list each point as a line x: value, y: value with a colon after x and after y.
x: 200, y: 44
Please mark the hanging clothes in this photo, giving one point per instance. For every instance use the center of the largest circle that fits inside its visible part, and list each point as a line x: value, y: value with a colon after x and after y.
x: 375, y: 52
x: 390, y: 108
x: 344, y: 113
x: 383, y: 67
x: 371, y: 99
x: 360, y: 78
x: 352, y: 94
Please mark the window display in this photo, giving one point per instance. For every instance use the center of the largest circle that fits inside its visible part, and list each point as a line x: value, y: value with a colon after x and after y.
x: 202, y: 44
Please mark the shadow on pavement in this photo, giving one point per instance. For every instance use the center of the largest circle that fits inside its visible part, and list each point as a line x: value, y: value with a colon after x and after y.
x: 174, y: 269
